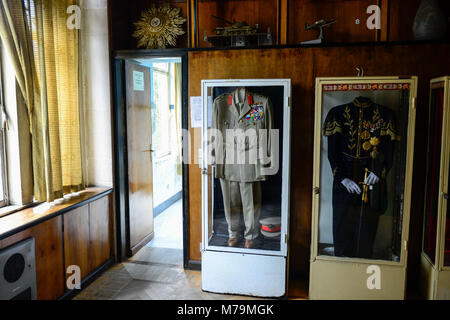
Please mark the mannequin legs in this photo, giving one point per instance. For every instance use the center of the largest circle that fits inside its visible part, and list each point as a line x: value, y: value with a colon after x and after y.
x: 245, y: 198
x: 348, y: 242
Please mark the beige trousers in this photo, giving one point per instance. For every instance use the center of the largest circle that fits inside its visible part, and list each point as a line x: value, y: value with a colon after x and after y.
x: 242, y: 197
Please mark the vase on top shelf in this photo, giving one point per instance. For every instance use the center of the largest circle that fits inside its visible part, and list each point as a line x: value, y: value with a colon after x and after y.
x: 430, y: 22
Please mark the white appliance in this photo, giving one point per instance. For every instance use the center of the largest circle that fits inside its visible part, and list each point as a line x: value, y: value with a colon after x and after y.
x: 18, y: 272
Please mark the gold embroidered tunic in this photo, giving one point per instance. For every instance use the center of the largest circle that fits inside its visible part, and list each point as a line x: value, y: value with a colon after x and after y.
x: 361, y: 135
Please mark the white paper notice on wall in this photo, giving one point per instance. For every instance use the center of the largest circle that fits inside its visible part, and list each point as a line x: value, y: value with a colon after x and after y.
x: 197, y: 112
x: 138, y: 81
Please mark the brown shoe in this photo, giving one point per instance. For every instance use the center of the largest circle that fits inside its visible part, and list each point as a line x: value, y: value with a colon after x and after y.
x: 232, y: 242
x: 249, y: 244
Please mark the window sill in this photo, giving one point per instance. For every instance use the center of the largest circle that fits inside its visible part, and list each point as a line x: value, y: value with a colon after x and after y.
x: 23, y: 219
x: 5, y: 211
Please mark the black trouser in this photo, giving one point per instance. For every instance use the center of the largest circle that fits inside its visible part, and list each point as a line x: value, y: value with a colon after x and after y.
x: 353, y: 234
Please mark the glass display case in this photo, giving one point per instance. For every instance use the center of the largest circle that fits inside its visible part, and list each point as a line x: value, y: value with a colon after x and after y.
x: 435, y: 260
x: 245, y: 179
x: 364, y: 140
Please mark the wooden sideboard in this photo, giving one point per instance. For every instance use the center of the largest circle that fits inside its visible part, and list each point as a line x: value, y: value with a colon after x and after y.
x: 79, y: 232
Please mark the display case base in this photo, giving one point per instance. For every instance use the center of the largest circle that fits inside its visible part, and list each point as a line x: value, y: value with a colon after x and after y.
x: 244, y: 274
x: 339, y: 280
x: 434, y: 284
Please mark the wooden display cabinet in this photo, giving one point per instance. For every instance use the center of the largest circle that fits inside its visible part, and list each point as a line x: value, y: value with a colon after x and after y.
x: 435, y: 259
x: 359, y: 248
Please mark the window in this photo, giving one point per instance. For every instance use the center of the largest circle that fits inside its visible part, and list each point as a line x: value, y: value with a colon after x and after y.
x: 40, y: 74
x: 3, y: 179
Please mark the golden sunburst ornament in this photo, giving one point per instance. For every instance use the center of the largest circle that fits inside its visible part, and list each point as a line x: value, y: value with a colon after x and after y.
x: 159, y: 27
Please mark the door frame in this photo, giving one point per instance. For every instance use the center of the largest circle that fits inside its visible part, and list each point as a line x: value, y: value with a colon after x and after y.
x: 120, y: 146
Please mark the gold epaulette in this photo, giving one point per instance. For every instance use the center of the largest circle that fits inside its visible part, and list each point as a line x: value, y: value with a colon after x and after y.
x: 389, y: 130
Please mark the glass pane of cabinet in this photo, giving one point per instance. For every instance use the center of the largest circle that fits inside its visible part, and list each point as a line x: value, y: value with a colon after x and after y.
x: 447, y: 231
x: 245, y: 153
x: 433, y: 170
x: 364, y: 142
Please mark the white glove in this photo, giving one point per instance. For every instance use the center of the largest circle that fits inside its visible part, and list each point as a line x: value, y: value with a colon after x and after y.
x: 372, y: 179
x: 351, y: 186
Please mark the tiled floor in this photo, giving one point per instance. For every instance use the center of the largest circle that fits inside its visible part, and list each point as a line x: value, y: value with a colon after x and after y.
x: 156, y: 272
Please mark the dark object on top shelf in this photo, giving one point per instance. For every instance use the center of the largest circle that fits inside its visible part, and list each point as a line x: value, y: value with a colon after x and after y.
x: 236, y: 29
x: 239, y: 34
x: 246, y: 40
x: 430, y: 22
x: 318, y: 25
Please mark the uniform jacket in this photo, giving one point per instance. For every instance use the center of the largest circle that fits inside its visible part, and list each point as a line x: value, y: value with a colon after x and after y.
x: 244, y: 150
x: 361, y: 135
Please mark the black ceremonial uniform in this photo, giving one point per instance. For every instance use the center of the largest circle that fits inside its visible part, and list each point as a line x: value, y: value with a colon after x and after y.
x: 361, y: 135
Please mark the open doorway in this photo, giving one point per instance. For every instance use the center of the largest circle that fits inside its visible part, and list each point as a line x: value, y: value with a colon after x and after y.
x: 151, y: 188
x: 166, y: 106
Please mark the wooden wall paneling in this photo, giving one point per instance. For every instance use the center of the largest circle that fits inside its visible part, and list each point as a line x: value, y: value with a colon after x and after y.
x: 195, y: 189
x: 120, y: 28
x: 261, y: 12
x: 345, y: 12
x: 303, y: 66
x: 283, y: 22
x: 183, y: 5
x: 402, y: 14
x: 76, y: 239
x: 49, y: 256
x: 193, y: 16
x: 383, y: 33
x: 260, y: 64
x: 100, y: 232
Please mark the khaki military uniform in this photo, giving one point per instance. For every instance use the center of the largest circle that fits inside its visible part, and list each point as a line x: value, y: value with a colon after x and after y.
x: 243, y: 151
x: 242, y: 197
x: 241, y: 155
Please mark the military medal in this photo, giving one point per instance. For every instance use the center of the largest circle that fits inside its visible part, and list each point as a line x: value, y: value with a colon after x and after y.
x: 367, y: 146
x: 256, y: 114
x: 365, y: 135
x: 374, y: 142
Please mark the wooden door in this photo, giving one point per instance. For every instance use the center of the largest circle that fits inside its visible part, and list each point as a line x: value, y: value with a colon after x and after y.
x: 139, y: 145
